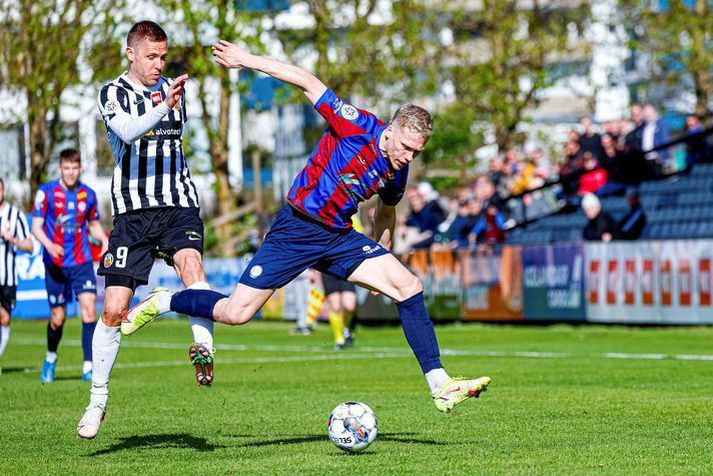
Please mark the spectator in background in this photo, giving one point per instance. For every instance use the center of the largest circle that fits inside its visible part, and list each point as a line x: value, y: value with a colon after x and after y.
x: 469, y: 210
x: 495, y: 170
x: 594, y: 179
x: 523, y: 177
x: 489, y: 228
x: 590, y: 141
x: 573, y: 163
x: 632, y: 140
x: 426, y: 213
x: 632, y: 225
x: 617, y: 165
x: 695, y: 147
x: 654, y: 134
x: 601, y: 226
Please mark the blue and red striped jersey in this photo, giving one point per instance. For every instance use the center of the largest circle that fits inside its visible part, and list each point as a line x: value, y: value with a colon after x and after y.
x: 346, y: 167
x: 66, y: 214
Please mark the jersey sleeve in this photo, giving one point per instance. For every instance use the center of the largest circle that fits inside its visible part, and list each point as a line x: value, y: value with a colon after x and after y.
x: 92, y: 208
x: 114, y: 108
x: 39, y: 208
x: 22, y: 231
x: 345, y: 119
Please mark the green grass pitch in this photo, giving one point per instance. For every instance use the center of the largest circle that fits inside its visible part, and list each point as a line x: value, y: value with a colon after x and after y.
x: 564, y: 400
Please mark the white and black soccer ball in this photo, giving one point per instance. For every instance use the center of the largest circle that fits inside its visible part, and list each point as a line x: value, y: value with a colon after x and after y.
x: 352, y: 426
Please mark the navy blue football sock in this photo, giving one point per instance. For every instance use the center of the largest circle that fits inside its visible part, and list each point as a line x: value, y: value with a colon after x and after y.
x: 53, y: 337
x: 87, y: 335
x: 419, y: 332
x: 196, y: 302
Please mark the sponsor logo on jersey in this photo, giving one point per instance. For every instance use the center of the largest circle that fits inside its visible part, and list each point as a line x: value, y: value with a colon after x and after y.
x: 369, y: 249
x: 70, y: 206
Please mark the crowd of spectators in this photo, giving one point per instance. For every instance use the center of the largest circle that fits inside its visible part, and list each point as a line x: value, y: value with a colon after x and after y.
x: 595, y: 162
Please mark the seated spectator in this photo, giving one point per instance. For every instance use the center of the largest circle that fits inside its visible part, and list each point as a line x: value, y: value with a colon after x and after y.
x: 523, y: 178
x: 696, y: 147
x: 573, y: 163
x: 490, y: 227
x: 426, y: 213
x: 495, y: 170
x: 601, y: 225
x: 469, y: 210
x: 589, y: 141
x: 617, y: 165
x: 632, y: 225
x: 594, y: 179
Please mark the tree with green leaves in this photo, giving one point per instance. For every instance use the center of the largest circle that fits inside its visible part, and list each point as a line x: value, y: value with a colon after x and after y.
x: 39, y: 44
x: 501, y: 53
x: 679, y: 39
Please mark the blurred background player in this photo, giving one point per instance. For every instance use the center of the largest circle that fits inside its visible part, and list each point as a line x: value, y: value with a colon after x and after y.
x: 64, y: 215
x: 155, y: 205
x: 14, y: 234
x: 341, y: 299
x: 357, y: 157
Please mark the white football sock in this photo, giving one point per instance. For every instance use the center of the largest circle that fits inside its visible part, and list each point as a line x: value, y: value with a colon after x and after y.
x: 4, y: 338
x: 436, y: 379
x: 51, y: 357
x: 105, y: 348
x: 202, y: 328
x: 86, y: 366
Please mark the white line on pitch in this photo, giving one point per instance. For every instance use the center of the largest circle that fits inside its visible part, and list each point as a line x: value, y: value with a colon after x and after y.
x: 394, y: 351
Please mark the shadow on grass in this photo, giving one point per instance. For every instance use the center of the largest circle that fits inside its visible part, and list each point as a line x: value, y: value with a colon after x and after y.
x: 10, y: 370
x: 149, y: 442
x: 409, y: 438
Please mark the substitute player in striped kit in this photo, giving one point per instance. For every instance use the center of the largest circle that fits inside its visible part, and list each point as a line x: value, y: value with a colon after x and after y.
x: 14, y: 234
x: 155, y: 205
x: 64, y: 215
x: 358, y: 156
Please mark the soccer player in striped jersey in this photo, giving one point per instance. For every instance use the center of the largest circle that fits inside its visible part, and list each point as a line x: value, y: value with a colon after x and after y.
x: 155, y: 205
x: 14, y: 234
x: 357, y: 157
x: 64, y: 215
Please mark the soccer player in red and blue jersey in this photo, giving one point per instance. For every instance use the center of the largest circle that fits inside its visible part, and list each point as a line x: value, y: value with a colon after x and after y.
x: 65, y: 212
x: 357, y: 157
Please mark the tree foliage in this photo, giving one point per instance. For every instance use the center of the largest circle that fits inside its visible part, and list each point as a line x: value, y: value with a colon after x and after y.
x: 40, y: 41
x: 501, y: 54
x: 679, y: 38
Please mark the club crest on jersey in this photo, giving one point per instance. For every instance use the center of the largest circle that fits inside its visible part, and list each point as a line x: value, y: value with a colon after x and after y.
x: 82, y: 206
x: 156, y: 97
x: 349, y: 112
x: 108, y: 260
x: 110, y: 106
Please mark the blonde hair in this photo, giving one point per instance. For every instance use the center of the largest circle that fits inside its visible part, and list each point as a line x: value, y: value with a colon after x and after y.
x: 414, y: 118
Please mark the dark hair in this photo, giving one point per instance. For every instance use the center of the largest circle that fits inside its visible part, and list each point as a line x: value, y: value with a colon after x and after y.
x: 145, y: 30
x: 70, y: 155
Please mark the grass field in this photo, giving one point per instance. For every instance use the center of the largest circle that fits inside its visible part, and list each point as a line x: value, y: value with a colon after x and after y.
x: 563, y: 400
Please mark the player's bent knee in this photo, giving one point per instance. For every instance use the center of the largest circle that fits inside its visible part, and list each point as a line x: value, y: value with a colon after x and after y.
x: 410, y: 287
x: 112, y: 314
x: 235, y: 316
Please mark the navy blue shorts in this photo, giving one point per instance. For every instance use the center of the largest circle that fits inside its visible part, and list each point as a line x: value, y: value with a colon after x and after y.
x: 296, y: 242
x: 60, y: 282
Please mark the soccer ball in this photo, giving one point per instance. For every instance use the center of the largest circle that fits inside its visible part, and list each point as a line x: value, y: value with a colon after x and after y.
x: 352, y: 426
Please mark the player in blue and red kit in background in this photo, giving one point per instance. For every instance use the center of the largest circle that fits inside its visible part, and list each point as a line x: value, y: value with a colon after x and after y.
x: 358, y: 157
x: 65, y: 212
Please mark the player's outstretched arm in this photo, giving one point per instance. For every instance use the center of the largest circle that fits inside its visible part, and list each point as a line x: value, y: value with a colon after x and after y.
x: 231, y: 55
x: 384, y: 223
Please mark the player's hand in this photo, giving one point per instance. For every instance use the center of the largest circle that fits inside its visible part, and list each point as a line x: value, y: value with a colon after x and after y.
x: 55, y: 250
x: 105, y: 247
x: 229, y: 54
x: 176, y: 90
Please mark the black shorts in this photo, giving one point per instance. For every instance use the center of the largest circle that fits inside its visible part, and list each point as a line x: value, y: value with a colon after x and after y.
x: 140, y: 237
x: 7, y: 297
x: 336, y: 285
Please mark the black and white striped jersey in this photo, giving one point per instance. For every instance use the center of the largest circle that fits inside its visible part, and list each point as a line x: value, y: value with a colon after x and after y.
x: 13, y: 220
x: 150, y: 169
